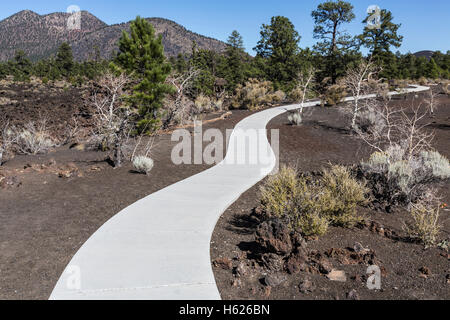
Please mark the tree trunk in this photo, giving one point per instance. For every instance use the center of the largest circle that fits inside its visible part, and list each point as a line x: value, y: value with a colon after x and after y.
x: 117, y: 154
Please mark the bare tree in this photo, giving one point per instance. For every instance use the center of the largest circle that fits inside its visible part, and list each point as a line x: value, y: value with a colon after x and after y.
x: 305, y: 82
x: 183, y: 84
x: 382, y: 126
x: 7, y: 139
x: 413, y: 132
x: 433, y: 104
x: 113, y: 119
x: 377, y: 124
x: 357, y: 81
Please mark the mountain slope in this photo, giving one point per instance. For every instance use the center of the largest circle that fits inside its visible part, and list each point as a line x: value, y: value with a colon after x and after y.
x: 40, y: 35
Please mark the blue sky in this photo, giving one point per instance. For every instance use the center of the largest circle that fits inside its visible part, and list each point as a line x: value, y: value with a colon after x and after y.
x: 425, y: 24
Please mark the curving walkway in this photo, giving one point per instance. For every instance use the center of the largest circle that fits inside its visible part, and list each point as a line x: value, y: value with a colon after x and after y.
x: 159, y: 247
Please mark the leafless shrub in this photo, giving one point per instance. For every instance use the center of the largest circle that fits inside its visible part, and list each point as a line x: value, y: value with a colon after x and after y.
x: 34, y: 138
x: 113, y: 120
x: 178, y: 109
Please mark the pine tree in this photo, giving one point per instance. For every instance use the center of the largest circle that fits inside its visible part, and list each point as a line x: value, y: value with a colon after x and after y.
x: 432, y: 69
x: 379, y: 40
x: 279, y: 46
x: 64, y: 60
x: 141, y: 54
x: 234, y: 65
x: 336, y: 47
x: 21, y: 66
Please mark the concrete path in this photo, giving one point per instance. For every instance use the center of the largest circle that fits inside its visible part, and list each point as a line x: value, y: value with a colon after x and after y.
x: 159, y: 247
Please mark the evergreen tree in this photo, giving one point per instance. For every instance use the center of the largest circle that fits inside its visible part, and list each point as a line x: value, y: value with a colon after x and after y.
x: 233, y: 69
x: 279, y: 46
x: 379, y: 40
x: 64, y: 60
x: 432, y: 70
x: 141, y: 54
x: 336, y: 47
x: 21, y: 66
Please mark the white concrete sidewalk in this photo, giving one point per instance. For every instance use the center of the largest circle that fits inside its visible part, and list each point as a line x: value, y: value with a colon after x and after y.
x: 159, y: 247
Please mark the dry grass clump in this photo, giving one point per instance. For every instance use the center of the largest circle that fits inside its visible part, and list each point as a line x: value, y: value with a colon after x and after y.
x: 143, y: 164
x: 295, y: 118
x: 340, y: 195
x: 279, y: 192
x: 256, y: 94
x: 424, y: 225
x: 310, y: 205
x: 33, y: 138
x: 203, y: 103
x: 334, y: 94
x: 296, y: 94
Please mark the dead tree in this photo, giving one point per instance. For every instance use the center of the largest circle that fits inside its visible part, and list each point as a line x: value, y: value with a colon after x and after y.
x: 182, y: 83
x: 413, y: 130
x: 305, y: 82
x: 113, y: 119
x: 7, y: 139
x: 381, y: 126
x: 357, y: 81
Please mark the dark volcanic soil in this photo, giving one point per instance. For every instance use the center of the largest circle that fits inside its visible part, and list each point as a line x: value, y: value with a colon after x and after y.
x: 322, y: 139
x: 51, y: 204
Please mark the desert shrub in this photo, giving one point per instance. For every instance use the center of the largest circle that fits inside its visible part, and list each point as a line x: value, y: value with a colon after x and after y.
x: 279, y: 192
x: 340, y: 195
x: 33, y: 138
x: 218, y: 104
x: 143, y: 164
x: 278, y: 96
x: 312, y: 224
x: 335, y: 94
x: 296, y: 94
x: 424, y: 225
x: 423, y: 81
x: 203, y: 103
x: 310, y: 205
x: 398, y: 179
x: 255, y: 94
x: 446, y: 87
x: 437, y: 163
x: 295, y: 118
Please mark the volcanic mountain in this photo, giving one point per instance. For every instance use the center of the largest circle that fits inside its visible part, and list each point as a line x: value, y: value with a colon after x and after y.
x: 40, y: 36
